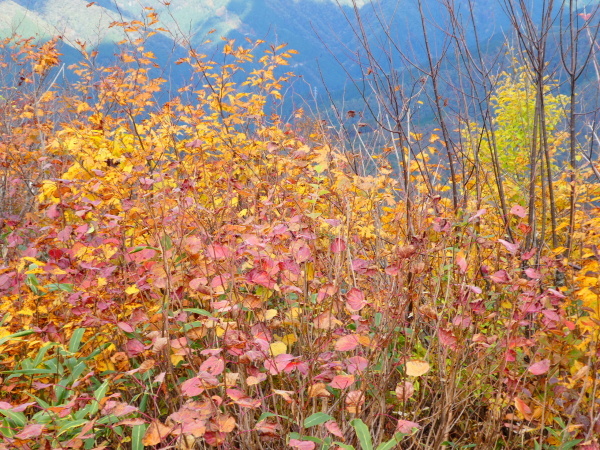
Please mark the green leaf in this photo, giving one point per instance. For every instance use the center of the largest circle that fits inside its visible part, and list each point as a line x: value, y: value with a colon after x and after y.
x: 316, y: 419
x: 71, y: 425
x: 13, y: 336
x: 571, y: 444
x: 143, y: 247
x: 264, y: 415
x: 137, y: 433
x: 392, y: 443
x: 66, y: 287
x: 188, y: 326
x: 32, y: 371
x: 99, y: 394
x: 76, y: 340
x: 344, y: 446
x: 18, y: 418
x: 42, y: 352
x: 363, y: 434
x: 202, y: 312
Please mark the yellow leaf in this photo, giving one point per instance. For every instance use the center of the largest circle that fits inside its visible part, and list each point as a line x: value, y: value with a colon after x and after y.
x: 26, y: 311
x: 278, y: 348
x: 416, y: 368
x: 270, y: 313
x: 176, y: 359
x: 131, y: 290
x: 289, y: 339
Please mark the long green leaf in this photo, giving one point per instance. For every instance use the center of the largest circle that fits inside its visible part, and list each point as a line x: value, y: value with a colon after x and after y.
x: 76, y: 340
x: 71, y: 425
x: 18, y: 418
x: 344, y: 446
x: 99, y: 394
x: 362, y: 432
x: 202, y: 312
x: 316, y: 419
x: 392, y: 443
x: 137, y: 433
x: 42, y: 352
x: 13, y: 336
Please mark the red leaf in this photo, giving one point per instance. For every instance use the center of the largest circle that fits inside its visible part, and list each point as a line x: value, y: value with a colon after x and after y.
x: 193, y: 245
x: 302, y: 445
x: 334, y: 429
x: 217, y: 251
x: 213, y: 365
x: 192, y: 387
x: 125, y: 327
x: 356, y: 364
x: 342, y: 381
x: 512, y: 248
x: 479, y: 213
x: 117, y: 408
x: 528, y: 255
x: 461, y: 262
x: 533, y: 274
x: 355, y: 401
x: 347, y: 343
x: 197, y: 282
x: 355, y: 299
x: 32, y: 430
x: 447, y: 338
x: 519, y: 211
x: 133, y: 348
x: 500, y: 277
x: 406, y: 426
x: 338, y: 245
x: 404, y: 391
x: 277, y: 364
x: 301, y: 252
x: 540, y: 367
x: 241, y: 399
x: 261, y: 278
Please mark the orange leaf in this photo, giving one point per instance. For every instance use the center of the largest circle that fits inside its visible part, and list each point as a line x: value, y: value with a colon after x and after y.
x: 155, y: 433
x: 417, y: 368
x: 523, y: 408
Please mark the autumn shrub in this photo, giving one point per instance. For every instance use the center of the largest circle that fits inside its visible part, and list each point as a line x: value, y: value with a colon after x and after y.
x: 198, y: 276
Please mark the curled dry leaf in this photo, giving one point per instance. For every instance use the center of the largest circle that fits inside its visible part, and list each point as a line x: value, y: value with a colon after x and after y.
x: 155, y: 433
x: 326, y: 321
x: 355, y: 401
x: 404, y: 391
x: 223, y: 423
x: 523, y: 408
x: 416, y: 368
x: 318, y: 390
